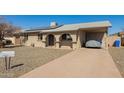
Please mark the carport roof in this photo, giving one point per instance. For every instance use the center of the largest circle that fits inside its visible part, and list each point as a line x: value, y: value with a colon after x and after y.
x: 74, y: 27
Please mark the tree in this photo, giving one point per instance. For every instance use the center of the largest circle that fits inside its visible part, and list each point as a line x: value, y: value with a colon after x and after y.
x: 3, y: 28
x: 7, y: 29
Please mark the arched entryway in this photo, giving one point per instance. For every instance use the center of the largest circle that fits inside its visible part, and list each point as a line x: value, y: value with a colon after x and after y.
x: 66, y: 40
x: 50, y: 40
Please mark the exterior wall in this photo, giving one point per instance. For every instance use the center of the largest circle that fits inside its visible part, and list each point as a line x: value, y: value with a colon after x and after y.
x: 66, y: 44
x: 33, y: 40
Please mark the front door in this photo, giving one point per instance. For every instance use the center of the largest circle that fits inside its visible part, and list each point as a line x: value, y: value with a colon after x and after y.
x: 50, y: 40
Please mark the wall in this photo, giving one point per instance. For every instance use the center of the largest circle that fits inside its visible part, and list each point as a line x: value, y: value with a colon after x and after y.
x: 66, y: 44
x: 33, y: 40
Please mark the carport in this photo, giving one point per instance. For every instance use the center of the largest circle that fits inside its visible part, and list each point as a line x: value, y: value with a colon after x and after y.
x: 97, y: 34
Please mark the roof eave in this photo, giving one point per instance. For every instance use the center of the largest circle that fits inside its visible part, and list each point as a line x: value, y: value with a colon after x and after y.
x: 57, y: 31
x: 75, y: 29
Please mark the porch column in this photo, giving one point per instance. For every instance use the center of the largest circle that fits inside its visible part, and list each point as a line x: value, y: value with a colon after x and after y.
x: 106, y: 41
x: 74, y: 41
x: 44, y: 41
x: 57, y: 41
x: 78, y: 40
x: 104, y: 44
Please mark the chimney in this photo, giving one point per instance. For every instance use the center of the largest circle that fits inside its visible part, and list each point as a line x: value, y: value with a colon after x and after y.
x: 53, y: 24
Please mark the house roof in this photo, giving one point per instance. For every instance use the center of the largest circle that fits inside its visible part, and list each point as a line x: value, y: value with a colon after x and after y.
x: 69, y: 27
x: 38, y: 29
x: 74, y: 27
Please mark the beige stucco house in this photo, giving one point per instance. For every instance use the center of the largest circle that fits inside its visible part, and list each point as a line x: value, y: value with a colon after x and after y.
x: 72, y: 36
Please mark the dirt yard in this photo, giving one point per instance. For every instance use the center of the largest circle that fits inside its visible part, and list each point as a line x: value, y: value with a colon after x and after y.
x: 28, y: 58
x: 118, y: 57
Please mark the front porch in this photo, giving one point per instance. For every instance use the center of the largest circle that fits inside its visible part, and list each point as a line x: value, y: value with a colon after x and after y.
x: 59, y: 40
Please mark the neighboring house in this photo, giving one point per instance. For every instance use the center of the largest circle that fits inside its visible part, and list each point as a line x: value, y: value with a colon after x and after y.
x: 119, y: 35
x: 122, y: 38
x: 112, y: 39
x: 12, y: 37
x: 66, y: 36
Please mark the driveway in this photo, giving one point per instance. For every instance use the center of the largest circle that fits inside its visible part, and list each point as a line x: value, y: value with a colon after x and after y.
x: 79, y: 63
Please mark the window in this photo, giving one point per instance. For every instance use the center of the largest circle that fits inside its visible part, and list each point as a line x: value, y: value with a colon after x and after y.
x: 66, y: 37
x: 40, y: 36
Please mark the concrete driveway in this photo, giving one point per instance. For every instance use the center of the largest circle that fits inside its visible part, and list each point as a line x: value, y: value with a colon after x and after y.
x: 79, y: 63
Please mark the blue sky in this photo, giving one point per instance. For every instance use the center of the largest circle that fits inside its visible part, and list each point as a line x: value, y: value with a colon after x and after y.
x: 32, y: 21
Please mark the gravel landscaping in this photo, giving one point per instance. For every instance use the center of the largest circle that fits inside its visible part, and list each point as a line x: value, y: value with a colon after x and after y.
x: 29, y: 58
x: 118, y: 57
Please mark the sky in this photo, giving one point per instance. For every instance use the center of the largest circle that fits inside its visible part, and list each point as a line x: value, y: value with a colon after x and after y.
x: 32, y: 21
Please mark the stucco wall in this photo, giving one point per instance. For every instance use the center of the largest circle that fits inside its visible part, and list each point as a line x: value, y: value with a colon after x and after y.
x: 66, y: 44
x: 33, y: 40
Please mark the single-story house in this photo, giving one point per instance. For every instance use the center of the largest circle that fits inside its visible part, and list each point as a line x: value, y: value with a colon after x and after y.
x: 65, y: 36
